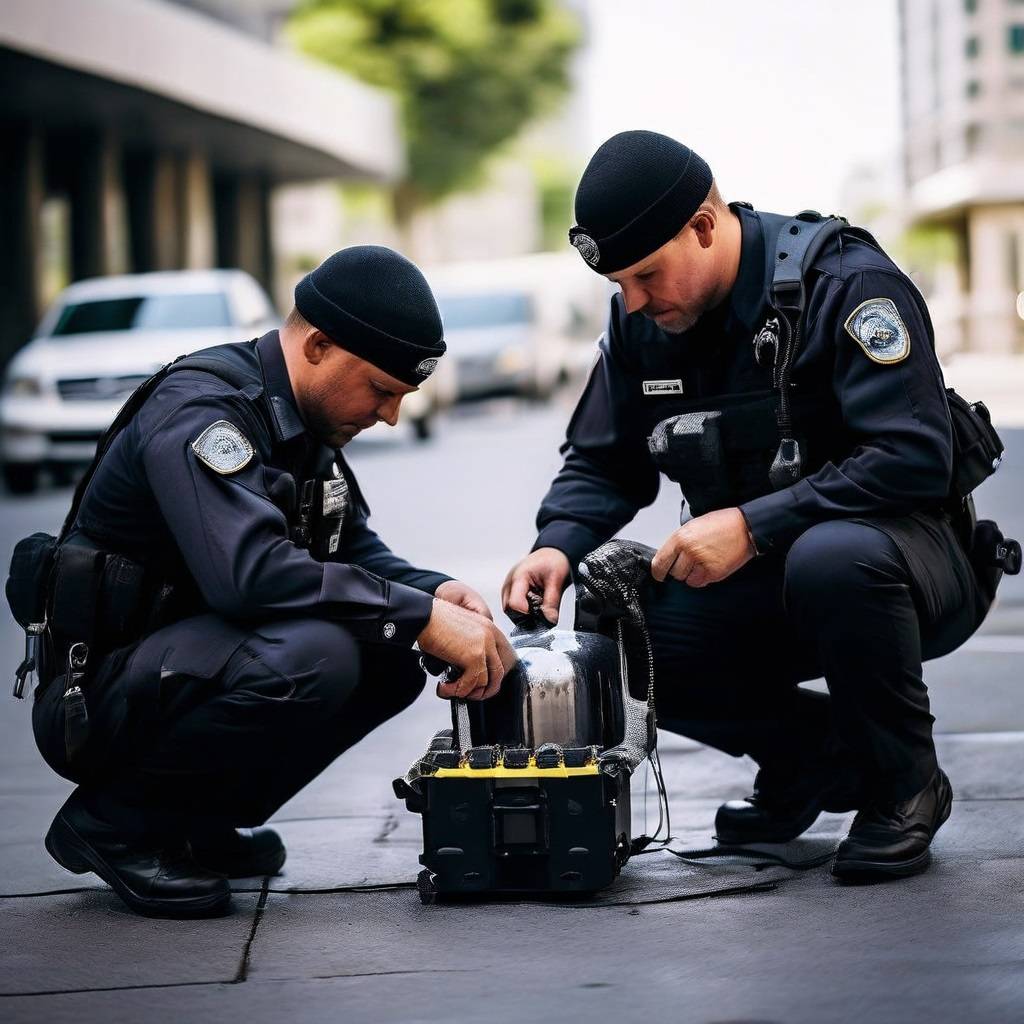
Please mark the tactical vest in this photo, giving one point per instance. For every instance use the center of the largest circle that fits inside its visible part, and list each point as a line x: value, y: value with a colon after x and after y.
x: 727, y: 449
x: 77, y: 597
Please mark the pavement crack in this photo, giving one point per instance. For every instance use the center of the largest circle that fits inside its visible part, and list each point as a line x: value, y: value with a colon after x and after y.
x: 107, y: 988
x: 389, y: 826
x: 261, y: 905
x: 50, y: 892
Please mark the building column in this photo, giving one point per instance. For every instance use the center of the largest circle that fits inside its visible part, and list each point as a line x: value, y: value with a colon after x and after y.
x: 22, y: 188
x: 994, y: 324
x: 97, y: 209
x: 154, y: 211
x: 197, y: 232
x: 243, y: 226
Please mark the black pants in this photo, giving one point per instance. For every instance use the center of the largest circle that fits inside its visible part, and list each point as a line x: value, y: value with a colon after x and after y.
x: 850, y: 603
x: 204, y: 724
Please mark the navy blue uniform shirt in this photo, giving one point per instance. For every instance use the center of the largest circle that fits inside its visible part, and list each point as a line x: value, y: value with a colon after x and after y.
x: 884, y: 427
x: 153, y: 499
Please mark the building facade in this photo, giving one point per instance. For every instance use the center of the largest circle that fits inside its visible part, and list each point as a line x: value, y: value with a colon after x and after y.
x: 963, y: 121
x: 162, y: 130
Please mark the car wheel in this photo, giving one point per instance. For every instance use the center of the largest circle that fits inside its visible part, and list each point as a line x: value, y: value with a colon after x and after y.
x: 20, y: 477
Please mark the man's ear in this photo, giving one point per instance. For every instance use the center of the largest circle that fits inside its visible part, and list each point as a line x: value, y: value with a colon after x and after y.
x: 316, y: 347
x: 704, y: 224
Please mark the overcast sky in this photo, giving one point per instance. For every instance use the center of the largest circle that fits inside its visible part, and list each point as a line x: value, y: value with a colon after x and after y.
x: 783, y: 98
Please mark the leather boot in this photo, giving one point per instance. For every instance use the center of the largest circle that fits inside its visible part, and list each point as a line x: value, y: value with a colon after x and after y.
x: 239, y: 853
x: 893, y: 840
x: 784, y: 804
x: 154, y: 878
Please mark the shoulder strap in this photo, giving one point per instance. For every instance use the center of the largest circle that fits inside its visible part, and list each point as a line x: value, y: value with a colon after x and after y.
x: 207, y: 362
x: 798, y: 244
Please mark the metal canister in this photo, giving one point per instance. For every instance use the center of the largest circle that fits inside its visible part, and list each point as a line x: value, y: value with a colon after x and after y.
x: 557, y: 692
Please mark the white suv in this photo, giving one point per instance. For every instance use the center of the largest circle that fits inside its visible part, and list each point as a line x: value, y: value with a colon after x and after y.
x: 98, y: 342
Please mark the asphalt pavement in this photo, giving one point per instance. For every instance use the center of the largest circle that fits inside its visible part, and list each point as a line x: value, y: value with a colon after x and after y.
x: 341, y: 934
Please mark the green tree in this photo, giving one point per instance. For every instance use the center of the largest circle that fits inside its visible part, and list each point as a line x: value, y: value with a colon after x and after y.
x: 469, y: 75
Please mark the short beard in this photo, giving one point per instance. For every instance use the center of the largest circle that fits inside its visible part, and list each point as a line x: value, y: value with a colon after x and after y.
x: 680, y: 325
x: 316, y: 423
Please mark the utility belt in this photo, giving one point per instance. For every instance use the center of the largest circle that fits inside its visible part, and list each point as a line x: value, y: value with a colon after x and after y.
x: 77, y: 602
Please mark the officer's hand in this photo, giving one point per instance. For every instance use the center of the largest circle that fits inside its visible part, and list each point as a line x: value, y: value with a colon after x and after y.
x: 457, y: 592
x: 545, y: 571
x: 706, y: 549
x: 476, y: 647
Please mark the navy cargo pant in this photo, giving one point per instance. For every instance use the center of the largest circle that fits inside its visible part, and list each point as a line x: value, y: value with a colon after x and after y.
x: 205, y: 724
x: 860, y: 604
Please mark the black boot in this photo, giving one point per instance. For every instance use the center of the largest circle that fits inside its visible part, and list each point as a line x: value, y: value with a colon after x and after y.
x: 240, y: 853
x: 153, y: 878
x: 893, y: 840
x: 785, y: 803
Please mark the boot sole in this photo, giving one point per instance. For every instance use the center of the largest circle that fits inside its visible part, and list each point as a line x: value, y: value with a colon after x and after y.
x: 74, y: 854
x: 869, y: 870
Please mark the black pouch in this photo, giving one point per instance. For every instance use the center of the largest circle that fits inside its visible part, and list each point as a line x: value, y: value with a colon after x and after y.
x: 688, y: 449
x: 29, y: 578
x: 124, y: 605
x: 77, y: 582
x: 977, y: 447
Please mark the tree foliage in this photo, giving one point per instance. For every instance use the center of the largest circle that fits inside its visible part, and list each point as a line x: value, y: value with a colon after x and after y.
x: 468, y: 74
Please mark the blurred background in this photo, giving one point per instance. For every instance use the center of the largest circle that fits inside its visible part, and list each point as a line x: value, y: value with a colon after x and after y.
x: 216, y: 150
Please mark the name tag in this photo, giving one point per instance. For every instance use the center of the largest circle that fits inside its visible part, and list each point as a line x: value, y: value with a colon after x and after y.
x: 663, y: 387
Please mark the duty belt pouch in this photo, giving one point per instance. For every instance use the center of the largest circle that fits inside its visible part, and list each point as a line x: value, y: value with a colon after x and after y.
x: 688, y: 449
x: 78, y: 578
x: 29, y: 577
x: 27, y: 591
x: 122, y: 605
x: 977, y: 448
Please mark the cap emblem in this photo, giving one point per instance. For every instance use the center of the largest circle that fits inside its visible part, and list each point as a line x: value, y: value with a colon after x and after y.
x: 426, y: 367
x: 587, y: 247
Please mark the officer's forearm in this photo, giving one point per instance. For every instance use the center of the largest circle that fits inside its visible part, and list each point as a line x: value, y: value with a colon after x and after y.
x: 874, y: 482
x: 284, y: 579
x: 364, y: 547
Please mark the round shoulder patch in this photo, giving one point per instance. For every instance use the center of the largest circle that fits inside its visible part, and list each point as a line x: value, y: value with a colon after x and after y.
x: 878, y: 328
x: 223, y: 447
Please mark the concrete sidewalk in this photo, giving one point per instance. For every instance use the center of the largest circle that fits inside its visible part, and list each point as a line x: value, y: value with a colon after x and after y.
x: 309, y: 946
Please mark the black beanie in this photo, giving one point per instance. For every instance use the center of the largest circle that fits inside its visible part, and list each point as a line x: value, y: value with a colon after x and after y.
x: 377, y: 305
x: 638, y: 191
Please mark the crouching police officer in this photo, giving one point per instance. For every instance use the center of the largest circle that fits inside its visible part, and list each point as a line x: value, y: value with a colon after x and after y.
x: 251, y: 625
x: 813, y: 445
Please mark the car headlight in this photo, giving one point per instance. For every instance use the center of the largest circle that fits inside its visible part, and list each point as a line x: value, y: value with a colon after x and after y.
x: 23, y: 387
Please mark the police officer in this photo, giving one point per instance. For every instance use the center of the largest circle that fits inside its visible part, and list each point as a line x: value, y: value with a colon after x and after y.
x: 848, y: 569
x: 292, y: 624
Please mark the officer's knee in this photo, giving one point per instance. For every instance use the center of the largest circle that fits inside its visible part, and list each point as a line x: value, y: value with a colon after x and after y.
x: 833, y: 562
x: 317, y: 660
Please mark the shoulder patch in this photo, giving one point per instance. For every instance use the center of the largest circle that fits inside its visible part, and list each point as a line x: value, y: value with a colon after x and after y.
x: 223, y: 447
x: 878, y: 328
